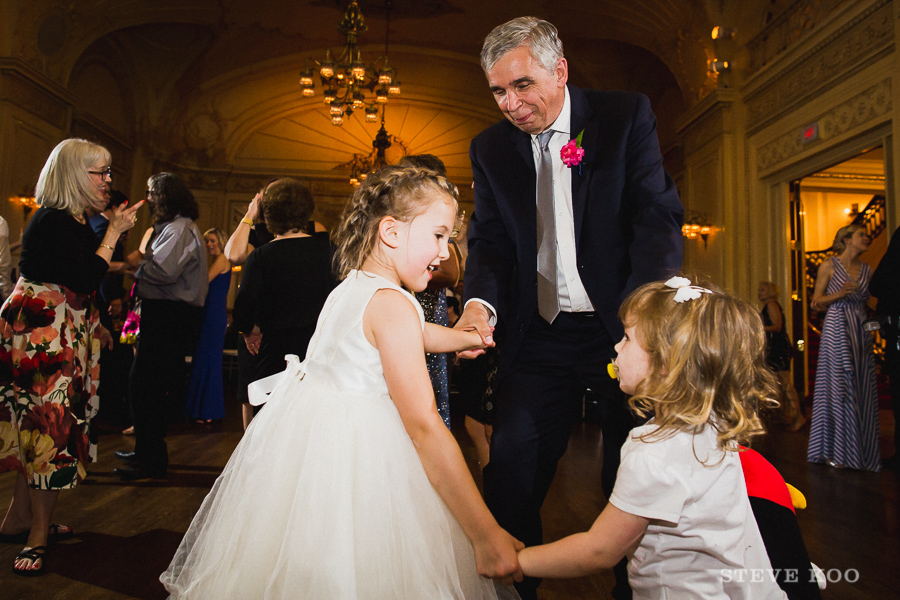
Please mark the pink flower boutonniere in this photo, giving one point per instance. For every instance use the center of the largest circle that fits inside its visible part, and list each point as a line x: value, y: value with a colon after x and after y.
x: 572, y: 153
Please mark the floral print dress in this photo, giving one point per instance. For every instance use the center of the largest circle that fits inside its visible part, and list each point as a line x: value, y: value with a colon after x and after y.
x: 49, y: 372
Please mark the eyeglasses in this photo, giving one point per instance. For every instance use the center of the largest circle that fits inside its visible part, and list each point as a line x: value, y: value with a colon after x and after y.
x: 107, y: 172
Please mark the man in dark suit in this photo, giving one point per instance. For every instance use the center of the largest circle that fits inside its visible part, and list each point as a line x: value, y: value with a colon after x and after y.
x: 553, y: 250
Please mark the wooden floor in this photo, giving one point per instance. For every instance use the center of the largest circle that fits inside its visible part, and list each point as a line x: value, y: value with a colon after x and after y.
x: 128, y: 532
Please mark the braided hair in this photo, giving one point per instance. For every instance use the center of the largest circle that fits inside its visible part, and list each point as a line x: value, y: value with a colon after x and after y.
x: 399, y: 192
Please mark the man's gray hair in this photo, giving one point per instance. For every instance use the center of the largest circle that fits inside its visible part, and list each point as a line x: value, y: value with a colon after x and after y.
x: 539, y: 35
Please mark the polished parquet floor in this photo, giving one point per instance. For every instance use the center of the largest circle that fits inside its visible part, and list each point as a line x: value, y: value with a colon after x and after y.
x: 127, y: 532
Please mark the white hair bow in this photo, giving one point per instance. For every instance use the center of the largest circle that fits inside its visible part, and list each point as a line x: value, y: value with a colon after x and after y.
x: 686, y: 291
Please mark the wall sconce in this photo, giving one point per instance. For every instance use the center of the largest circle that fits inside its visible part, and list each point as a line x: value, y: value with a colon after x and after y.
x: 723, y: 33
x: 696, y: 224
x: 719, y: 66
x: 28, y: 203
x: 852, y: 211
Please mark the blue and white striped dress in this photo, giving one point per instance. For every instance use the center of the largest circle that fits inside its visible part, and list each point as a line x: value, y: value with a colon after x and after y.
x: 845, y: 402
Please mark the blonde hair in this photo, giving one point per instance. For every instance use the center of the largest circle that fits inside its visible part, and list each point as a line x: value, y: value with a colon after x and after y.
x: 707, y: 363
x: 773, y: 288
x: 399, y: 192
x: 842, y: 234
x: 220, y: 235
x: 64, y: 182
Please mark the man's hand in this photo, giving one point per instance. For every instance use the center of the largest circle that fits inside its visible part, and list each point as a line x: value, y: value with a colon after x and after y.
x: 476, y: 317
x: 253, y: 340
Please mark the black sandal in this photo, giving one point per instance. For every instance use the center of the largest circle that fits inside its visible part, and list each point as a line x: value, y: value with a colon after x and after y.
x: 56, y: 535
x: 38, y: 553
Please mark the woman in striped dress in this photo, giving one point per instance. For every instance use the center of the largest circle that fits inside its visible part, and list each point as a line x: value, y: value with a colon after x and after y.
x: 844, y: 431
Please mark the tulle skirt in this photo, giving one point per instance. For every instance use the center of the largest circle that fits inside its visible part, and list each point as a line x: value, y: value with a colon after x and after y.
x: 325, y: 498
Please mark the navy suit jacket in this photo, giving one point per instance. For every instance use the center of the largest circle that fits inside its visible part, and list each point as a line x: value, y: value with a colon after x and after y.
x: 627, y: 213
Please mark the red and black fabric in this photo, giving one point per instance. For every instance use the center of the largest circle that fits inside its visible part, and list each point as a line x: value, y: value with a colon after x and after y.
x: 777, y: 522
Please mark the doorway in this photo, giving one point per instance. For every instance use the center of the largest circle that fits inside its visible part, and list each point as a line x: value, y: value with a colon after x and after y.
x: 852, y: 191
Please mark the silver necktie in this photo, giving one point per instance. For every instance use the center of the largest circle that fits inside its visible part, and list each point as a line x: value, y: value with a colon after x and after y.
x: 548, y: 297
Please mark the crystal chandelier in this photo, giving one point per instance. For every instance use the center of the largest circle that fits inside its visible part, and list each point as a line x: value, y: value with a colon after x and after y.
x: 346, y: 80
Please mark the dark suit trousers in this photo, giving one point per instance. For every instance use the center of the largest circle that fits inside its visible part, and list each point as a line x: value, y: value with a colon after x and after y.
x: 539, y: 400
x: 169, y: 330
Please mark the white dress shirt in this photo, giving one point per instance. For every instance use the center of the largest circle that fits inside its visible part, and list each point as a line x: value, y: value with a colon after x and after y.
x: 572, y: 295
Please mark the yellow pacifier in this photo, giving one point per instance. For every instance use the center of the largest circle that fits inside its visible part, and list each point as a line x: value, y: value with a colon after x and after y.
x: 612, y: 369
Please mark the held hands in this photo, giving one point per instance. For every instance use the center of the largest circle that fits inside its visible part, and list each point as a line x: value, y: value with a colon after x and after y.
x: 477, y: 343
x: 124, y: 218
x: 475, y: 318
x: 496, y: 557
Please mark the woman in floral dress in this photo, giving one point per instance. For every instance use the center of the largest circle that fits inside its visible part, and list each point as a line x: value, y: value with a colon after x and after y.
x: 50, y: 340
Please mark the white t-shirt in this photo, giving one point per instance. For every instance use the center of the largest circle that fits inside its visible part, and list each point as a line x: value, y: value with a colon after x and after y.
x: 702, y: 541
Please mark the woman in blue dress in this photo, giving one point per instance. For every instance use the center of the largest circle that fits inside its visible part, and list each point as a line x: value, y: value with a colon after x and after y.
x: 206, y: 395
x: 844, y: 431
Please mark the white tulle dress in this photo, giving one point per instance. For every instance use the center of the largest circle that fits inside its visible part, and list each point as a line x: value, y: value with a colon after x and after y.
x: 325, y: 496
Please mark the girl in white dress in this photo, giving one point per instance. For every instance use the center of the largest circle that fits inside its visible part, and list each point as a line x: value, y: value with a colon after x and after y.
x: 348, y: 485
x: 694, y: 360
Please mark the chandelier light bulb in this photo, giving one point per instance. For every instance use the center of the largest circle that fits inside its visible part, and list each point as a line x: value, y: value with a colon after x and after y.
x: 337, y: 120
x: 358, y: 68
x: 394, y: 89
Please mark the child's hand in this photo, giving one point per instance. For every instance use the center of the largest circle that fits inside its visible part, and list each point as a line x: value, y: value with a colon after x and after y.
x: 496, y: 557
x: 477, y: 342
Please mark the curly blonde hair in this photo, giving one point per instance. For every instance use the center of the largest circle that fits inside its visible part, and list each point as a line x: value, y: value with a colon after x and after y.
x: 399, y: 192
x: 707, y: 363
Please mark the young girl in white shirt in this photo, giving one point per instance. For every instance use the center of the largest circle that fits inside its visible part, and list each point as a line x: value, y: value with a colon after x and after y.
x: 693, y: 360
